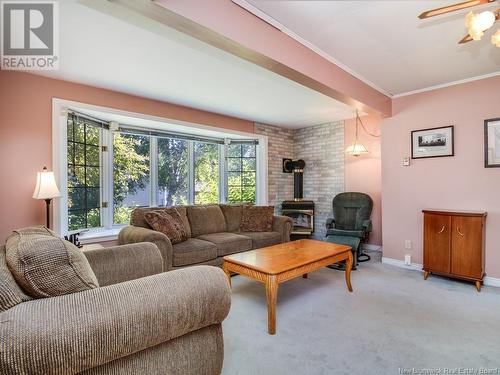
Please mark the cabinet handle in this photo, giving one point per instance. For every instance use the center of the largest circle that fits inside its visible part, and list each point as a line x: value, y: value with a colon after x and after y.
x: 460, y: 233
x: 442, y: 230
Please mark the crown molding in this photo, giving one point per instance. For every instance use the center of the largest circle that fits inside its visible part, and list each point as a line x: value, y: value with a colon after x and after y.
x: 273, y: 22
x: 443, y: 85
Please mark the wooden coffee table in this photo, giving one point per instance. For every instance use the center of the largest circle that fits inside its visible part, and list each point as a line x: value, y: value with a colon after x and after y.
x: 275, y: 264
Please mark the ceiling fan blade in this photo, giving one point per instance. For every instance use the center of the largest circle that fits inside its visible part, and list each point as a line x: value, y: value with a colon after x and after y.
x: 465, y: 39
x: 452, y: 8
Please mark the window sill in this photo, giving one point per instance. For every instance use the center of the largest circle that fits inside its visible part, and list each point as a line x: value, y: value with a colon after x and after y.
x: 100, y: 235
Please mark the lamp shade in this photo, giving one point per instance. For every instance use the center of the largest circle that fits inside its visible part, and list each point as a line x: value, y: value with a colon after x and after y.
x: 356, y: 149
x: 46, y: 187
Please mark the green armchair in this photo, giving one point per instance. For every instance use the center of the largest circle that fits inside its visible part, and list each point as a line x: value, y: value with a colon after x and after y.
x: 351, y: 224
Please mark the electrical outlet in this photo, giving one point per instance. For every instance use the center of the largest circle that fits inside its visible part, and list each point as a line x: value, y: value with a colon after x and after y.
x: 407, y: 244
x: 406, y: 161
x: 407, y: 260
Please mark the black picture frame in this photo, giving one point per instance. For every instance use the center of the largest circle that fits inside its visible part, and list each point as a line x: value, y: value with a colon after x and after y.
x: 487, y: 163
x: 452, y: 136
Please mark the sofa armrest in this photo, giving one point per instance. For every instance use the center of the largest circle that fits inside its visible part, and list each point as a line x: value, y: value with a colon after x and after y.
x: 71, y: 333
x: 117, y: 264
x: 283, y: 225
x: 132, y: 234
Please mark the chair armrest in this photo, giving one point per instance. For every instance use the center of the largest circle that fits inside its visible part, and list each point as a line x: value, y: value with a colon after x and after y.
x: 132, y: 234
x: 367, y: 225
x: 75, y: 332
x: 283, y: 225
x: 113, y: 265
x: 330, y: 223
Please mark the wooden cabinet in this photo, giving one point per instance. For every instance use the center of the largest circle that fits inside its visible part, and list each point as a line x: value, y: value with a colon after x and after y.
x: 454, y: 244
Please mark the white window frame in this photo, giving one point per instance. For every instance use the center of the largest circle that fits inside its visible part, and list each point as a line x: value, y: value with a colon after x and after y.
x: 109, y: 231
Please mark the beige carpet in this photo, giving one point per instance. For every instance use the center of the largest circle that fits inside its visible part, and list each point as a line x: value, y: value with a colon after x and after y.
x: 394, y: 320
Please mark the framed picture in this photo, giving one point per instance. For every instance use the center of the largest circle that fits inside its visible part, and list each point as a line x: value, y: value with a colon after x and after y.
x: 432, y: 143
x: 492, y: 143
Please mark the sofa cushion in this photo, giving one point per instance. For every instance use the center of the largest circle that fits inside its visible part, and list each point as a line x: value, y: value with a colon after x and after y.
x: 232, y: 214
x: 263, y: 239
x: 206, y: 219
x: 168, y: 223
x: 10, y: 293
x: 45, y: 265
x: 257, y: 219
x: 228, y: 243
x: 193, y: 251
x: 137, y: 217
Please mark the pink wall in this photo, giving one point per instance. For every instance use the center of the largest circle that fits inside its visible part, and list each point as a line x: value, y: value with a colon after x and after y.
x: 363, y: 173
x: 459, y: 182
x: 26, y: 131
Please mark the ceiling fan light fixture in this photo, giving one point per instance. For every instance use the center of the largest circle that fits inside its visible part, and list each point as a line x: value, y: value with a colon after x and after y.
x: 495, y: 38
x: 476, y: 24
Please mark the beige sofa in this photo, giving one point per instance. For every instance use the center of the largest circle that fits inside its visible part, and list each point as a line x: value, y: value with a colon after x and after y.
x: 140, y: 320
x: 213, y: 231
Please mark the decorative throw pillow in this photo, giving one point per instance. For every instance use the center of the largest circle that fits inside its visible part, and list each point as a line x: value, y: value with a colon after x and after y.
x: 10, y: 293
x: 257, y: 219
x: 170, y: 225
x: 180, y: 216
x: 45, y: 265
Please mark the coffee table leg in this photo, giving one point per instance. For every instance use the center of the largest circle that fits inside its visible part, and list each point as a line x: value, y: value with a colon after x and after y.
x: 348, y: 267
x: 227, y: 272
x: 272, y: 297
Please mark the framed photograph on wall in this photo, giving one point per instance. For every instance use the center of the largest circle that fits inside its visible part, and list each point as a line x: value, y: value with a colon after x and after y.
x: 432, y: 143
x: 492, y: 143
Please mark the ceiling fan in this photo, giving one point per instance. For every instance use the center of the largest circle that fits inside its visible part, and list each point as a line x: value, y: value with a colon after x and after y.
x: 476, y: 24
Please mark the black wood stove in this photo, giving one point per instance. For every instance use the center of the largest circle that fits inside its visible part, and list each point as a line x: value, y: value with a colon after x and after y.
x: 301, y: 211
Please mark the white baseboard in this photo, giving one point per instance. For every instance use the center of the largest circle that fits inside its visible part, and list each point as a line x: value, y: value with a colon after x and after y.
x: 488, y: 280
x: 367, y: 246
x: 400, y: 263
x: 491, y: 281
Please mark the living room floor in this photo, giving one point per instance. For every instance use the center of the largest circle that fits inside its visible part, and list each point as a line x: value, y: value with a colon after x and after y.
x: 393, y: 320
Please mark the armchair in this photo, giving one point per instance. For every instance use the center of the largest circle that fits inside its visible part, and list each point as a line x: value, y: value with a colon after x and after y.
x: 139, y: 320
x: 351, y: 223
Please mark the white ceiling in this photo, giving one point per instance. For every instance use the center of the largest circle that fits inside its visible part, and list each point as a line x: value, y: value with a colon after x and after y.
x: 385, y: 43
x: 104, y: 45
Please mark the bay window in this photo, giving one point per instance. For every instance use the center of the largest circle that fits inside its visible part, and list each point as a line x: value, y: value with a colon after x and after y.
x: 113, y: 169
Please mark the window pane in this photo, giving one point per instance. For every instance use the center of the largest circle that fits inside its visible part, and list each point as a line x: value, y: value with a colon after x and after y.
x: 234, y: 164
x: 84, y: 175
x: 92, y: 155
x: 76, y: 220
x: 131, y: 184
x: 234, y: 151
x: 248, y: 164
x: 248, y: 151
x: 241, y: 173
x: 248, y: 193
x: 206, y: 173
x: 92, y: 136
x: 173, y: 176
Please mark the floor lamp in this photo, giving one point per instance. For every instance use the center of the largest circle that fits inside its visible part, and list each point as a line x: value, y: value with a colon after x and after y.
x: 46, y: 189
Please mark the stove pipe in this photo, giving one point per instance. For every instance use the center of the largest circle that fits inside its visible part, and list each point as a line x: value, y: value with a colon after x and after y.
x: 298, y: 180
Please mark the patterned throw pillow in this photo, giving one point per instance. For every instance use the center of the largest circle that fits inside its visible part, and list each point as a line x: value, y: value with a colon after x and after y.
x: 257, y: 219
x: 169, y: 224
x: 179, y: 219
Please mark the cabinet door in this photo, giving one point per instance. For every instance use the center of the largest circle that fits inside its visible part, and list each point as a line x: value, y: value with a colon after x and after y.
x: 437, y: 243
x: 466, y: 246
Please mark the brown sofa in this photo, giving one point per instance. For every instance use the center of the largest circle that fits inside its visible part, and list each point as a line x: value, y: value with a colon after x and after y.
x: 139, y: 320
x: 213, y: 232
